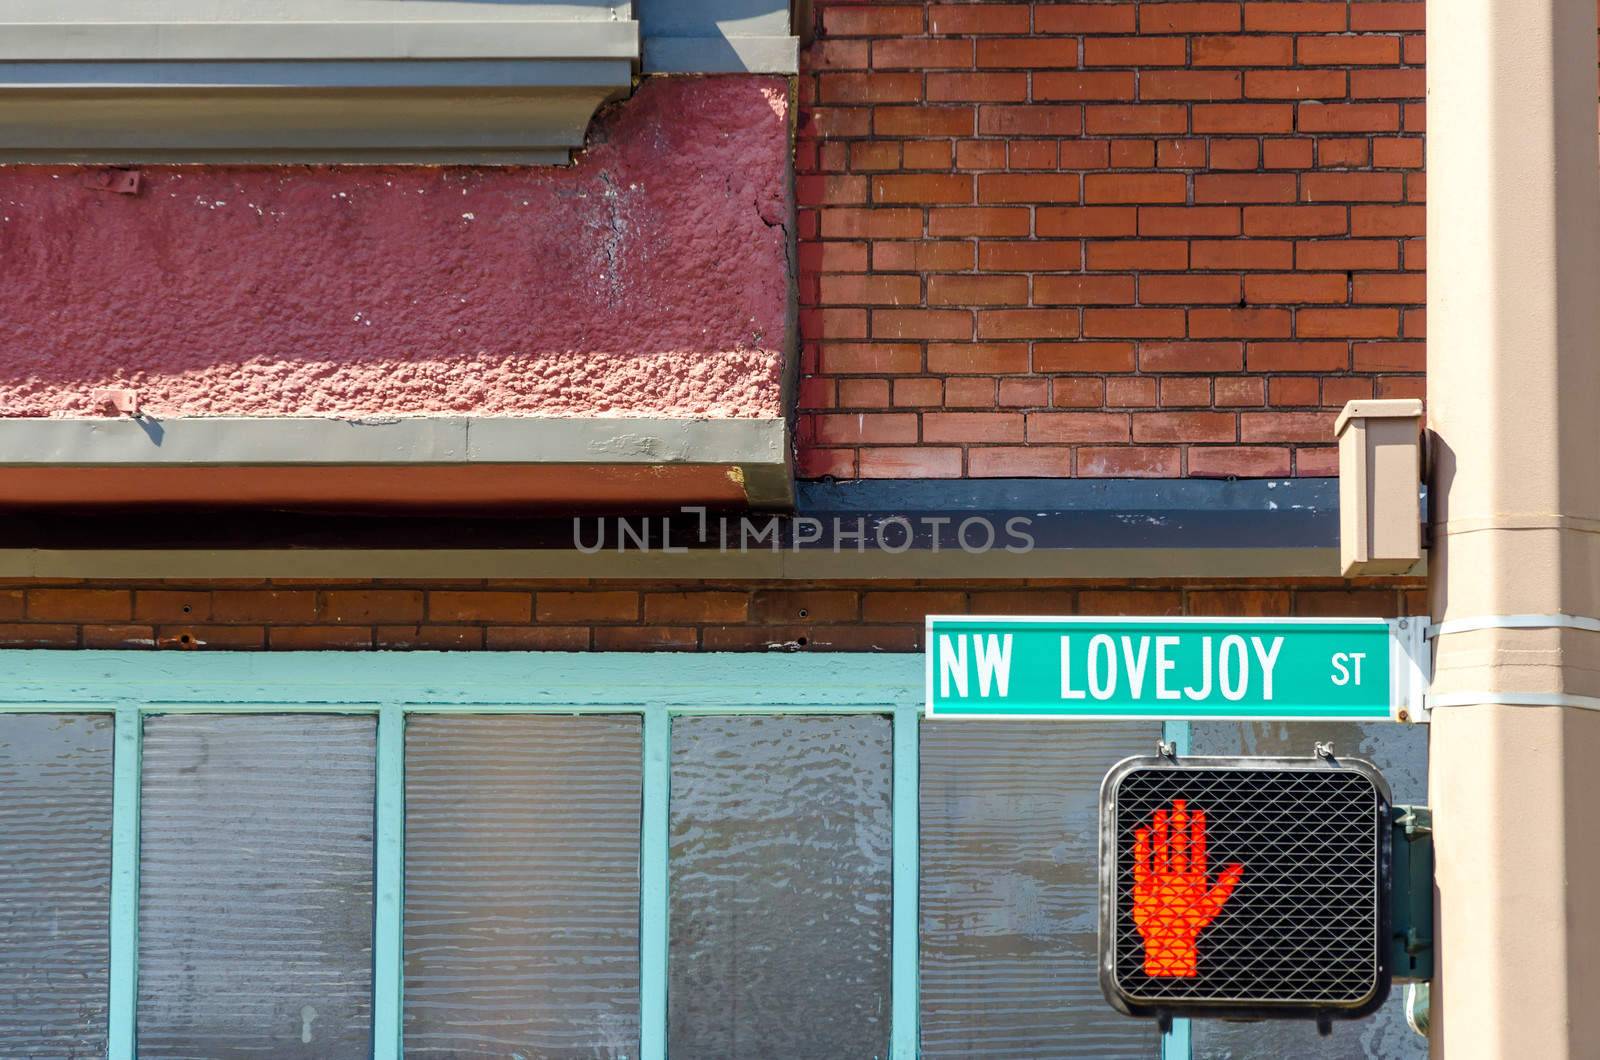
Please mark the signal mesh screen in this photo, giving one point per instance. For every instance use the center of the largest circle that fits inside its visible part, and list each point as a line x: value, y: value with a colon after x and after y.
x: 1273, y: 899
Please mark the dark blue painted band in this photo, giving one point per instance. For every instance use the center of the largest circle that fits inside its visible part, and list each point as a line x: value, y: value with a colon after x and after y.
x: 1088, y: 513
x: 889, y: 515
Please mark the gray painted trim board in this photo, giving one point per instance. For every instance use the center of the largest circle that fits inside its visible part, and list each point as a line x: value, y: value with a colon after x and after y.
x: 1209, y: 564
x: 75, y: 42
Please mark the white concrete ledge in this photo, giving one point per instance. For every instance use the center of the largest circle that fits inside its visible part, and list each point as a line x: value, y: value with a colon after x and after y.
x: 256, y: 441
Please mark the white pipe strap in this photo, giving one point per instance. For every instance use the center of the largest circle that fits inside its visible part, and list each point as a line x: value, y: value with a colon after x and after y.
x: 1475, y: 622
x: 1514, y: 699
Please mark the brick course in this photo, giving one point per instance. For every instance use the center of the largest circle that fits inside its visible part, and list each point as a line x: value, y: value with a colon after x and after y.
x: 618, y: 616
x: 1196, y: 225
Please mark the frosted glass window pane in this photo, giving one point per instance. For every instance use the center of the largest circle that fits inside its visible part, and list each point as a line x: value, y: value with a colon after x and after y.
x: 1010, y: 889
x: 1401, y: 753
x: 55, y: 883
x: 780, y: 888
x: 255, y: 896
x: 1381, y: 1036
x: 522, y: 887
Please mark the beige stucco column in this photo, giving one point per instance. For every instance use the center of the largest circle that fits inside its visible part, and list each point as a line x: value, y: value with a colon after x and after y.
x: 1514, y: 401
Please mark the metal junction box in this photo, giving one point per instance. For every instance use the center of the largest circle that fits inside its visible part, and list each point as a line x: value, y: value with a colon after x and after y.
x: 1380, y: 478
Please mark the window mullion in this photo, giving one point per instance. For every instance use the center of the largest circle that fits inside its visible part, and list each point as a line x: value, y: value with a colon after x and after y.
x: 124, y: 999
x: 654, y: 927
x: 904, y: 989
x: 389, y: 886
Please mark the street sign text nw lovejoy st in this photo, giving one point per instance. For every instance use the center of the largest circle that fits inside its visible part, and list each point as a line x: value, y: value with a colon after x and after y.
x: 1358, y: 669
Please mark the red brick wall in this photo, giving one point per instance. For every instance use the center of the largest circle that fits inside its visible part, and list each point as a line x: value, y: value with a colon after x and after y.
x: 614, y: 616
x: 1105, y: 238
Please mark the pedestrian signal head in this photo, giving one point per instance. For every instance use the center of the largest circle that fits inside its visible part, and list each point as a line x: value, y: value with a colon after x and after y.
x: 1244, y: 887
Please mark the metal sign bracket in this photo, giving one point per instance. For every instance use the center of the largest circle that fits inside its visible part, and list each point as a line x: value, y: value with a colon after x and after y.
x: 1412, y: 671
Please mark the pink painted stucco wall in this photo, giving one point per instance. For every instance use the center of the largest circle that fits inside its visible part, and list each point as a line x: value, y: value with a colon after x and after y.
x: 649, y: 278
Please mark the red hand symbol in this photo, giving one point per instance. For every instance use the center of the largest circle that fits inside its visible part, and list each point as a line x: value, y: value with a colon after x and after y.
x: 1172, y: 901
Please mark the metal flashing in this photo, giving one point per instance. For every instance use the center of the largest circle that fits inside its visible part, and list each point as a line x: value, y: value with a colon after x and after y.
x: 718, y: 37
x: 721, y: 55
x: 46, y: 43
x: 494, y: 91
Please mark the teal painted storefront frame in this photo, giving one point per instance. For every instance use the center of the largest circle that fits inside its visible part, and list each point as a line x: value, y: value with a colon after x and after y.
x: 133, y: 685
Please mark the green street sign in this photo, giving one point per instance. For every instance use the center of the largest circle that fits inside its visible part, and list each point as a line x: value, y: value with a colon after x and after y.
x: 1240, y: 668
